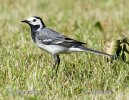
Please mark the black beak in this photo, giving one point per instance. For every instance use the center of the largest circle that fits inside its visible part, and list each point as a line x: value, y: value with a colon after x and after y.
x: 25, y: 21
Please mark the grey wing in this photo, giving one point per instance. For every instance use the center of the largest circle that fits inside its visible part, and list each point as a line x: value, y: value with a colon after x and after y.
x: 51, y: 37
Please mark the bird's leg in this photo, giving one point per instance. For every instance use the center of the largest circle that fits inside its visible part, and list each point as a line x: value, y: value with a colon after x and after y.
x: 56, y: 62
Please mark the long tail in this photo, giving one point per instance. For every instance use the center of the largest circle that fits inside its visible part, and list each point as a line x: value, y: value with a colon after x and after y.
x: 83, y: 48
x: 95, y: 51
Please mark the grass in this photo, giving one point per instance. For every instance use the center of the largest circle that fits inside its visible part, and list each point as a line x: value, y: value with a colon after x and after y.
x: 25, y: 70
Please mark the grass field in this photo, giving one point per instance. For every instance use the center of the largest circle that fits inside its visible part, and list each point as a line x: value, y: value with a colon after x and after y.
x: 25, y: 70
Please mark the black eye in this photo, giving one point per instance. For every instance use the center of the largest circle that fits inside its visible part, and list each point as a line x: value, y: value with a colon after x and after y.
x: 34, y: 20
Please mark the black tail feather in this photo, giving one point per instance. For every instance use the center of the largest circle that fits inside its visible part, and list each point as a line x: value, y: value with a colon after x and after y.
x: 95, y: 51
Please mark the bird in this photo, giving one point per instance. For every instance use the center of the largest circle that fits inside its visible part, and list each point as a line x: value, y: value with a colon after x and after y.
x: 54, y: 42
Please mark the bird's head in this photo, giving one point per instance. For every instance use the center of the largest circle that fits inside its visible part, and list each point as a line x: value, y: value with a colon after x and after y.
x: 34, y: 22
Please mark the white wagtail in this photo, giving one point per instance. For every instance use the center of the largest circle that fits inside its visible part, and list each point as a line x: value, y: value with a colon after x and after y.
x: 53, y: 42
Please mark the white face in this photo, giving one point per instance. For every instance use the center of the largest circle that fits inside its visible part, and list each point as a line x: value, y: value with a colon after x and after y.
x: 34, y: 21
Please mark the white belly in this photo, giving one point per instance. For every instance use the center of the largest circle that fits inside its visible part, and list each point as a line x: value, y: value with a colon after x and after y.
x: 53, y: 49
